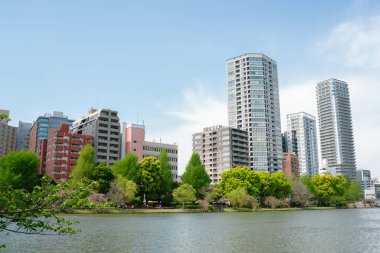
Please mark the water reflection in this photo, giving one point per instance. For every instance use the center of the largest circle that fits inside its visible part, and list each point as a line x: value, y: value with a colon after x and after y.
x: 298, y: 231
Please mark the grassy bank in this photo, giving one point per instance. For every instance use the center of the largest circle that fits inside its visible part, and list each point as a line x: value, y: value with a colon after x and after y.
x: 153, y: 211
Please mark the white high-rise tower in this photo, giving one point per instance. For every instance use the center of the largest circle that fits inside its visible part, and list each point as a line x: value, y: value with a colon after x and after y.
x: 335, y: 127
x: 254, y: 106
x: 302, y: 140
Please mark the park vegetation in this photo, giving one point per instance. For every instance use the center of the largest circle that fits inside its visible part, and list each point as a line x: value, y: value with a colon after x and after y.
x: 29, y: 202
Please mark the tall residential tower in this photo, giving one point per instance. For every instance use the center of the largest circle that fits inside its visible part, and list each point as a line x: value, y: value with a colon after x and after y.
x: 335, y: 127
x: 302, y: 140
x: 254, y: 106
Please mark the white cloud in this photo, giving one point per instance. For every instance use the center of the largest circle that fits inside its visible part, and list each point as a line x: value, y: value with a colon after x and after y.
x: 297, y: 97
x: 354, y: 43
x: 199, y: 109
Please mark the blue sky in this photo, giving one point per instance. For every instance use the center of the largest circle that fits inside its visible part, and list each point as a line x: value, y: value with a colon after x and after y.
x: 165, y: 60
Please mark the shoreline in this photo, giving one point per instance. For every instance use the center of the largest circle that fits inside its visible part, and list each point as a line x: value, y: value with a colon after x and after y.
x: 113, y: 211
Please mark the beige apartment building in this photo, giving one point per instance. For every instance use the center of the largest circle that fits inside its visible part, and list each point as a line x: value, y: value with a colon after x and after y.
x: 221, y: 148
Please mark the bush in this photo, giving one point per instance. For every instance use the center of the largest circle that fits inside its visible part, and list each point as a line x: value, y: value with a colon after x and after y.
x: 272, y: 202
x: 203, y: 204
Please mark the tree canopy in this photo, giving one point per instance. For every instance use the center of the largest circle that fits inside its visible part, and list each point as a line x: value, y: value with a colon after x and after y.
x: 85, y: 165
x: 184, y: 194
x: 166, y: 177
x: 103, y: 175
x: 240, y: 177
x: 150, y: 175
x: 195, y: 174
x: 127, y: 167
x: 19, y: 170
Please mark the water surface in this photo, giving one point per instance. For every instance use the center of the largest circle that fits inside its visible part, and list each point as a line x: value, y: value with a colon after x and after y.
x: 354, y: 230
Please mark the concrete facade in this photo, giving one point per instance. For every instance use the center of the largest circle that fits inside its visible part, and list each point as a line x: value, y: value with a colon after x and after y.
x: 221, y: 148
x: 291, y: 165
x: 41, y: 127
x: 132, y: 140
x: 151, y: 148
x: 364, y: 179
x: 302, y: 140
x: 104, y: 125
x: 335, y: 127
x: 62, y: 152
x: 8, y: 135
x: 22, y: 141
x: 254, y: 106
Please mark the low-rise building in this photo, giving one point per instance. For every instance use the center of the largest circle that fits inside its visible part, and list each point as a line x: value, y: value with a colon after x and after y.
x: 221, y: 148
x: 60, y: 152
x: 364, y: 178
x: 151, y: 148
x: 8, y: 134
x: 290, y: 165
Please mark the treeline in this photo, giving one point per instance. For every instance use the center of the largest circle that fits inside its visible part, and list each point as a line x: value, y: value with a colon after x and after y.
x: 150, y: 182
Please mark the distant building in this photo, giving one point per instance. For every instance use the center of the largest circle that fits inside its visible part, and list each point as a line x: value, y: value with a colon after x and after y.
x: 290, y: 165
x: 104, y: 125
x: 42, y: 125
x: 132, y: 140
x: 335, y: 127
x: 285, y: 147
x: 42, y: 152
x: 377, y: 190
x: 151, y: 148
x: 369, y: 193
x: 8, y: 135
x: 302, y: 140
x: 59, y: 153
x: 364, y: 178
x: 254, y: 106
x: 23, y: 135
x: 221, y: 148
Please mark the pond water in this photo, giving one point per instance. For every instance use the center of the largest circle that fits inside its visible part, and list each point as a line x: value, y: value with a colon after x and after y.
x: 353, y: 230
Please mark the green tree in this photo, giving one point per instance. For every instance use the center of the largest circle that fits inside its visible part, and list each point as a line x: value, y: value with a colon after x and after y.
x: 167, y: 182
x: 306, y: 180
x: 327, y: 186
x: 86, y: 164
x: 122, y: 191
x: 238, y: 197
x: 338, y: 201
x: 150, y: 175
x: 353, y: 192
x: 36, y: 212
x: 184, y: 194
x: 4, y: 118
x: 19, y: 170
x: 275, y: 184
x: 127, y: 167
x: 103, y: 175
x: 196, y: 175
x: 240, y: 177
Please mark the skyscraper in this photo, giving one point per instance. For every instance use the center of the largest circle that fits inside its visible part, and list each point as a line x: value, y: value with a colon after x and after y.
x: 254, y: 106
x: 335, y: 127
x: 302, y: 140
